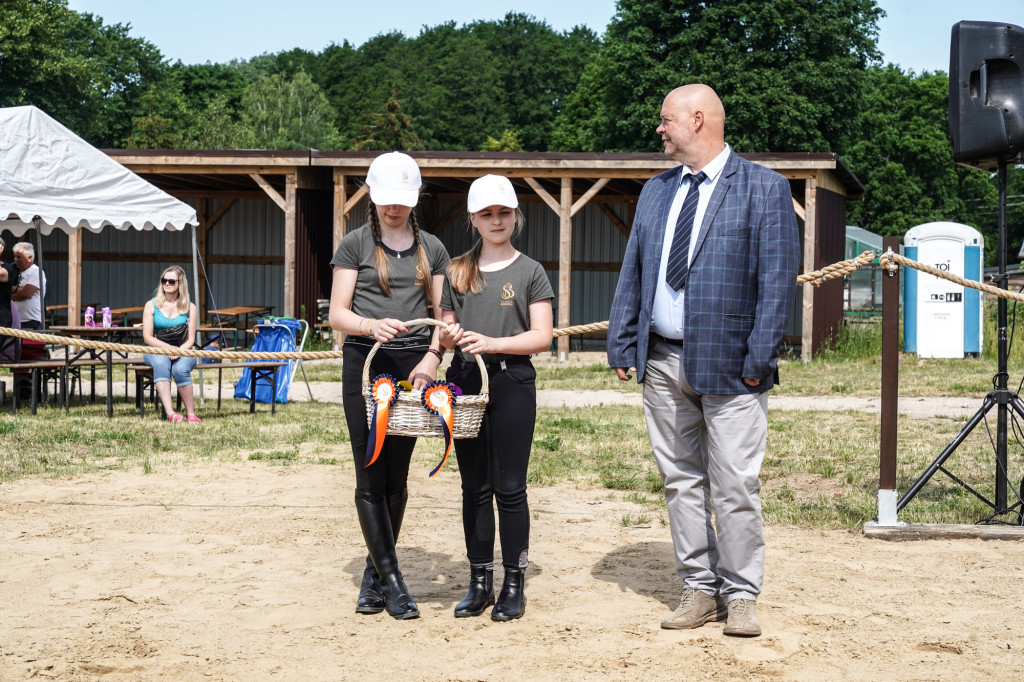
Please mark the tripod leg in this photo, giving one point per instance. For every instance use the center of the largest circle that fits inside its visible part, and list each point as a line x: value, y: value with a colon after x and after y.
x: 987, y: 405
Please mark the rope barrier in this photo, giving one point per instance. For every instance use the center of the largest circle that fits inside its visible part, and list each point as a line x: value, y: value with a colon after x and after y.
x: 889, y: 260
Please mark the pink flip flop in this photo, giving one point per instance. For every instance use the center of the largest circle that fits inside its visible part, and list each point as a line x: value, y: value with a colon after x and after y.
x: 174, y: 418
x: 193, y: 419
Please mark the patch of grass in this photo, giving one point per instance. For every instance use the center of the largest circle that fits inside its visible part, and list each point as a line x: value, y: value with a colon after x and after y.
x: 820, y: 469
x: 53, y: 444
x: 631, y: 520
x: 276, y: 455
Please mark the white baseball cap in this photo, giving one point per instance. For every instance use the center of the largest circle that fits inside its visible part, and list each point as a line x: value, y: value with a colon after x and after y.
x: 491, y: 190
x: 394, y: 178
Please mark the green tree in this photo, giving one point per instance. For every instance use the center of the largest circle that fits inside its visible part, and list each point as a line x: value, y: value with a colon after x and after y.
x: 790, y: 72
x: 905, y: 158
x: 537, y: 69
x: 151, y: 129
x: 288, y: 113
x: 218, y: 126
x: 390, y: 130
x: 459, y: 97
x: 508, y: 142
x: 89, y: 76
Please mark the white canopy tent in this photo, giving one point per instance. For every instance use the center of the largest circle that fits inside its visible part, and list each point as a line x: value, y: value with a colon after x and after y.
x: 52, y: 179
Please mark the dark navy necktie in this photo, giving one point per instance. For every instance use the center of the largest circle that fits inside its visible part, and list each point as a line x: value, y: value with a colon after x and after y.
x: 679, y: 254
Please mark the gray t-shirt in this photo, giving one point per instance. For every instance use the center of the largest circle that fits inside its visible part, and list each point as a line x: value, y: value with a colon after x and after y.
x: 503, y: 307
x: 408, y: 299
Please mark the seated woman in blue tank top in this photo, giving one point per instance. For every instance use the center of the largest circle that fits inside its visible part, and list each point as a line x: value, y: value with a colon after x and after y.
x: 169, y: 321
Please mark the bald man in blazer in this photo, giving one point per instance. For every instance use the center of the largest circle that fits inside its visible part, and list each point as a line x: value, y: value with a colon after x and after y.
x: 700, y: 323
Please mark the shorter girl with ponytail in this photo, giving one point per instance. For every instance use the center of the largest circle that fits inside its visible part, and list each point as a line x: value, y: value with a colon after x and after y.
x: 497, y: 303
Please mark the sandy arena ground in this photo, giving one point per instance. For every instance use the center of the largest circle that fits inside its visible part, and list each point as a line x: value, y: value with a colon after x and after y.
x: 250, y: 572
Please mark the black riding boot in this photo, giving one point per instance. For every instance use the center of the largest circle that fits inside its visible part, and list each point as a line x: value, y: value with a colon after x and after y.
x: 512, y: 600
x: 480, y: 594
x: 375, y: 522
x: 371, y: 596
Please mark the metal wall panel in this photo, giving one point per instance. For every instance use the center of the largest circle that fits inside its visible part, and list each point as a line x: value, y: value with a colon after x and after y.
x: 251, y: 227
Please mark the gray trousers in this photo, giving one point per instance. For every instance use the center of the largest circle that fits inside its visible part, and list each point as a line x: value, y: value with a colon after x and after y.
x: 709, y: 450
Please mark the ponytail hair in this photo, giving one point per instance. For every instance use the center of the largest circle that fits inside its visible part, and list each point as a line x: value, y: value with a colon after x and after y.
x: 464, y: 271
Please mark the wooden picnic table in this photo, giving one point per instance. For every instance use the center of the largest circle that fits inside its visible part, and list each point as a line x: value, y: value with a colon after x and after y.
x: 126, y: 313
x: 233, y: 314
x: 117, y: 334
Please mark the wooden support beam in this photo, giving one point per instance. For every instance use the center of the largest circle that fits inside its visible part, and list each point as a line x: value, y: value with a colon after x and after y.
x: 543, y: 194
x: 564, y: 264
x: 168, y: 258
x: 74, y: 258
x: 356, y: 198
x: 290, y: 188
x: 582, y: 201
x: 799, y: 209
x: 340, y: 229
x: 219, y: 213
x: 810, y: 253
x: 458, y: 209
x: 270, y: 191
x: 340, y: 219
x: 616, y: 221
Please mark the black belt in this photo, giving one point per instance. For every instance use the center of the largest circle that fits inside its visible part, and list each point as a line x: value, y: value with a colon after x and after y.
x: 496, y: 361
x: 400, y: 343
x: 678, y: 343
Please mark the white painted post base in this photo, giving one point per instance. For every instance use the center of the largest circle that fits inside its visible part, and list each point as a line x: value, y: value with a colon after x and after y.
x: 887, y: 500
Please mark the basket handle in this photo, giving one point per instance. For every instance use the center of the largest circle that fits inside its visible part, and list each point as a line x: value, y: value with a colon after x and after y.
x: 484, y: 385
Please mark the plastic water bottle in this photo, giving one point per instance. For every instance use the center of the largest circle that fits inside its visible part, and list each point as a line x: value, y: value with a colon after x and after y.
x: 90, y: 317
x: 107, y: 318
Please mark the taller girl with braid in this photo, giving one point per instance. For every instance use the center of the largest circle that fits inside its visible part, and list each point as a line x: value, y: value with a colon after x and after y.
x: 385, y: 272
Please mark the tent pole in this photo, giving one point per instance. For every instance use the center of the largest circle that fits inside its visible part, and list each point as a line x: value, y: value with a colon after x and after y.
x: 199, y: 313
x: 42, y: 277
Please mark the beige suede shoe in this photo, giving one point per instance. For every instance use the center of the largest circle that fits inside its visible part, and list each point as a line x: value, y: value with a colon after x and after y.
x: 743, y: 620
x: 695, y: 608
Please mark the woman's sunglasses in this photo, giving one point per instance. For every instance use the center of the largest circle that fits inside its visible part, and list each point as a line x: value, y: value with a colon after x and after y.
x: 164, y: 280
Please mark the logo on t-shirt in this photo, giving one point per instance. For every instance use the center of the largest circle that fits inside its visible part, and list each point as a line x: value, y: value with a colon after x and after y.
x: 507, y: 294
x: 420, y: 277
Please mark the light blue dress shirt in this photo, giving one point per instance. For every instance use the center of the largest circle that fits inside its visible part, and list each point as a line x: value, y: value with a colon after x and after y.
x: 667, y: 313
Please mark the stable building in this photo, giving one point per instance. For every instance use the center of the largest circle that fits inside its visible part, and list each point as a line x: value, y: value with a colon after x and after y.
x: 271, y: 220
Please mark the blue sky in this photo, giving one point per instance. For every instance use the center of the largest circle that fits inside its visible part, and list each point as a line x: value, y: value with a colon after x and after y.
x: 915, y: 34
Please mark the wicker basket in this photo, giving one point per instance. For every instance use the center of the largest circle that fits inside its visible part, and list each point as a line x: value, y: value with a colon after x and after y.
x: 408, y: 417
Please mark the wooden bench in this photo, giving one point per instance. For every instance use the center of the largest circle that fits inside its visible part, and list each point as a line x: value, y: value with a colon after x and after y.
x: 41, y: 372
x: 260, y: 369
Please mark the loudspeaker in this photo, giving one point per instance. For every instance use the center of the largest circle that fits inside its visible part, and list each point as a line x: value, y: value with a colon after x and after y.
x: 986, y: 93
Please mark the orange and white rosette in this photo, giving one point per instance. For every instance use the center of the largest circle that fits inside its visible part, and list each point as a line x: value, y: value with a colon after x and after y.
x: 384, y: 393
x: 439, y: 398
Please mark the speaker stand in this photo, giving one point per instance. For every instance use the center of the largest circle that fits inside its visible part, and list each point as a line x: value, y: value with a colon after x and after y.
x: 1001, y: 397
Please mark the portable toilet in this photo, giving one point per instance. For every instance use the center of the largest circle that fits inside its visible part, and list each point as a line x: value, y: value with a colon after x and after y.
x: 942, y: 319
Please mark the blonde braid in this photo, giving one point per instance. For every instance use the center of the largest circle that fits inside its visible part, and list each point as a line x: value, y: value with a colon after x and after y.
x: 424, y: 262
x: 380, y: 258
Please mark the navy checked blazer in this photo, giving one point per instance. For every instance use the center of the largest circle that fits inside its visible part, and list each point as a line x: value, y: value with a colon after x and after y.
x: 740, y: 287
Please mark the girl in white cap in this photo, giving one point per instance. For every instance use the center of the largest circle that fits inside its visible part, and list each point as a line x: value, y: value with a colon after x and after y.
x: 497, y: 302
x: 385, y: 272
